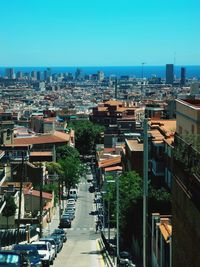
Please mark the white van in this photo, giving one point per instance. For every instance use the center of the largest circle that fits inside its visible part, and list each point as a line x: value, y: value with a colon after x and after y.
x: 73, y: 193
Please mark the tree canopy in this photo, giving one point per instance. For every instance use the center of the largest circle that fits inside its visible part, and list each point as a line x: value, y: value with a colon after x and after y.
x: 87, y: 135
x: 72, y: 171
x: 131, y: 203
x: 65, y: 151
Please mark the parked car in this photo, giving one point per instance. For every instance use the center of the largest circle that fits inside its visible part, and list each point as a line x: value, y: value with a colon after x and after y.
x: 59, y: 242
x: 68, y: 215
x: 13, y: 258
x: 69, y: 211
x: 71, y: 206
x: 65, y: 222
x: 73, y: 193
x: 53, y: 246
x: 62, y: 233
x: 71, y: 200
x: 32, y: 254
x: 44, y: 250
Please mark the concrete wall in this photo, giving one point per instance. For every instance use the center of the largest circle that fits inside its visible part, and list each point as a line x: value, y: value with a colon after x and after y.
x: 186, y: 230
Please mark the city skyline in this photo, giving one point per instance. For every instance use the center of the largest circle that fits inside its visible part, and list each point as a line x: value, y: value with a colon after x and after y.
x: 99, y: 33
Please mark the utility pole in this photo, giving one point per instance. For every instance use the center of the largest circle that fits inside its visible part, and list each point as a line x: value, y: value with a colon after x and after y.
x: 117, y: 217
x: 145, y: 193
x: 59, y: 196
x: 20, y: 198
x: 41, y: 201
x: 116, y: 88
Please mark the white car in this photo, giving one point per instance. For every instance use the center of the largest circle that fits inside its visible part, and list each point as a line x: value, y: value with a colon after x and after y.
x: 44, y: 250
x: 71, y: 201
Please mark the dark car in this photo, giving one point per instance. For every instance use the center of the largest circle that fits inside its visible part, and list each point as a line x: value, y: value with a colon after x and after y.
x: 13, y: 258
x: 62, y: 233
x: 65, y: 222
x: 32, y: 253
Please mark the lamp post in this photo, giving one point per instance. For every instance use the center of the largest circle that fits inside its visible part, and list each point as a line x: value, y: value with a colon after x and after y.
x: 117, y: 210
x: 117, y: 195
x: 145, y: 193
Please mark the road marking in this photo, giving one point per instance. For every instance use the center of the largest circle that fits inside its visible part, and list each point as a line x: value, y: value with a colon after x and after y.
x: 100, y: 257
x: 81, y: 229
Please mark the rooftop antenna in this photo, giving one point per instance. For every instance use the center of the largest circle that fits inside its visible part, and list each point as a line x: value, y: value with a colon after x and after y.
x: 143, y: 63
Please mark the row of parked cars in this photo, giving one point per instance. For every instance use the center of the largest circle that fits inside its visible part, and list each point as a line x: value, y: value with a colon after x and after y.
x: 69, y: 213
x: 37, y: 254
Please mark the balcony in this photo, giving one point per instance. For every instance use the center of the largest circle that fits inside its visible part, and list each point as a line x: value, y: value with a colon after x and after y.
x: 186, y: 169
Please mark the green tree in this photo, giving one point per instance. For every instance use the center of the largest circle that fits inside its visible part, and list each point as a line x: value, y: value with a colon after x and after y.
x: 131, y: 203
x: 10, y: 207
x: 65, y: 151
x: 72, y: 170
x: 87, y: 135
x: 54, y: 168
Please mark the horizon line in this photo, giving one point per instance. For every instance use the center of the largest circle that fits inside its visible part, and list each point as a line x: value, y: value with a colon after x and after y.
x: 93, y: 66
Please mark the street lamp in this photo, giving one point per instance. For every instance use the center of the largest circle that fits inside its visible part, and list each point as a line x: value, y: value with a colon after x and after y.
x: 117, y: 210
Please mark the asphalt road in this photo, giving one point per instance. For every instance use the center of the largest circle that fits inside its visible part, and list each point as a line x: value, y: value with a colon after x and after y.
x: 81, y: 248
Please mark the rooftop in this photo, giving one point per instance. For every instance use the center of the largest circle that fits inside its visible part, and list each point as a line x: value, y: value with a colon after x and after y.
x: 56, y: 137
x: 134, y: 145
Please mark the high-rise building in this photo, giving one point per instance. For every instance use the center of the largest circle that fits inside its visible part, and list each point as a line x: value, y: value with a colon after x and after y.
x: 34, y: 75
x: 10, y: 73
x: 100, y: 76
x: 47, y: 73
x: 78, y: 74
x: 19, y: 75
x: 39, y: 75
x: 183, y: 76
x: 169, y: 73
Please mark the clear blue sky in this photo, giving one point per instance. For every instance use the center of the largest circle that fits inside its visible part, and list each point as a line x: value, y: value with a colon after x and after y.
x: 99, y: 32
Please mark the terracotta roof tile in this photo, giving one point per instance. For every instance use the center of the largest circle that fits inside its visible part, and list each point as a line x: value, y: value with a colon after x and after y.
x: 57, y: 137
x: 36, y: 193
x: 109, y: 162
x: 115, y: 168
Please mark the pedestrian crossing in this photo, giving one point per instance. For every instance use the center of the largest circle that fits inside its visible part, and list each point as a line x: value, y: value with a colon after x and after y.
x: 81, y: 229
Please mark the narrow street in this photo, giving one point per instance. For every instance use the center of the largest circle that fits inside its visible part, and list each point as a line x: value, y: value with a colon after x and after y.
x: 81, y: 248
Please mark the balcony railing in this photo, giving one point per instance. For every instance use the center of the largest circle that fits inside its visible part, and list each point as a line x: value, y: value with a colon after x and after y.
x: 186, y: 168
x: 186, y: 155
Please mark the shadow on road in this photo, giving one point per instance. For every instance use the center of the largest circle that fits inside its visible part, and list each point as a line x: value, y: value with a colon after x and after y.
x: 95, y: 252
x: 93, y: 212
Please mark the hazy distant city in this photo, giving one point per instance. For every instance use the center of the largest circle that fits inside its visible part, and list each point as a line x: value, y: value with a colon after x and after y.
x: 99, y: 133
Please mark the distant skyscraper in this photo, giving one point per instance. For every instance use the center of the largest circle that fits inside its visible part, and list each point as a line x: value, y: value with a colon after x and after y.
x: 78, y: 74
x: 100, y: 76
x: 183, y: 76
x: 10, y: 73
x: 39, y: 76
x: 45, y: 75
x: 19, y: 75
x: 34, y: 75
x: 169, y: 73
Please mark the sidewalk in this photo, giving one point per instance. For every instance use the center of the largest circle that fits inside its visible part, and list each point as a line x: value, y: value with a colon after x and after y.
x: 54, y: 221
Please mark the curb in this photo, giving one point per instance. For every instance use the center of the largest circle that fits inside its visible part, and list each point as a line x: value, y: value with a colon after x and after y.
x: 106, y: 257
